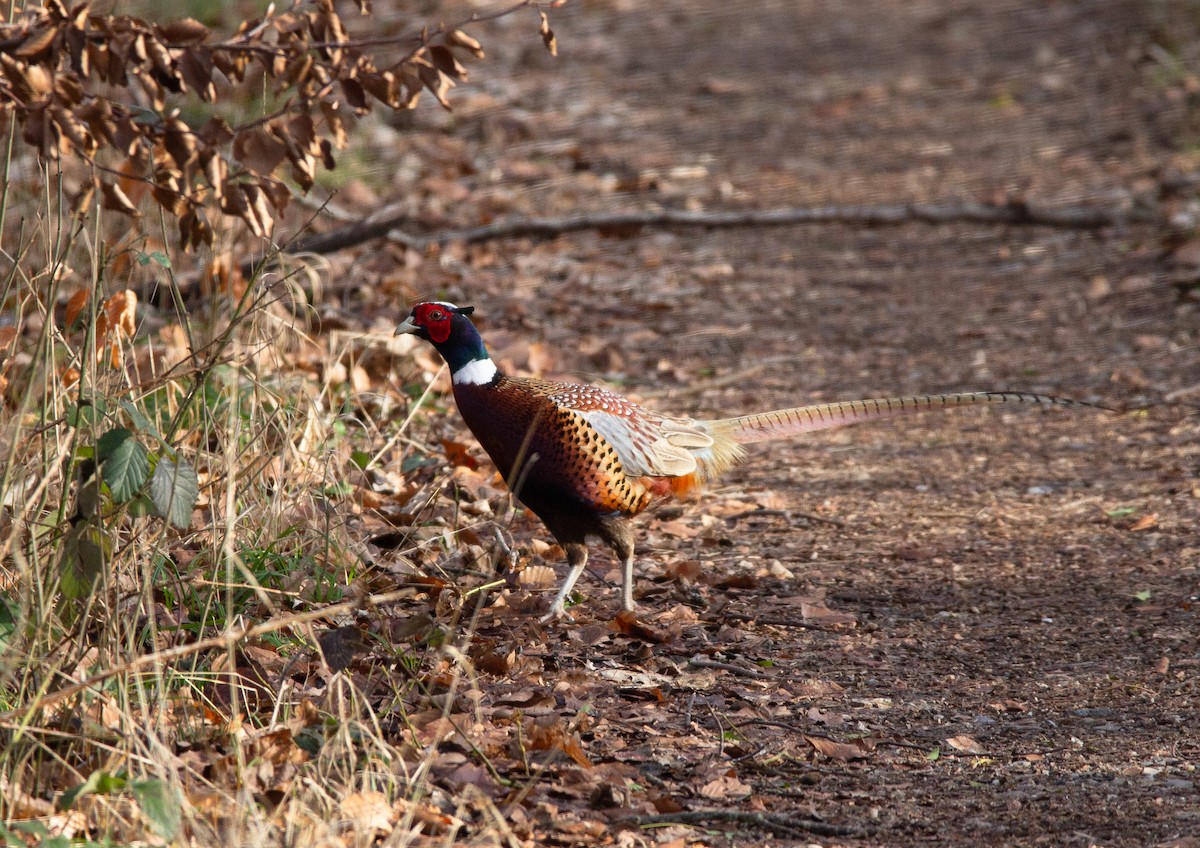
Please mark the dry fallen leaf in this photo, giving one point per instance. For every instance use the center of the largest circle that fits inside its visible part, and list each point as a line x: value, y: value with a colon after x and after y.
x: 75, y: 306
x: 842, y: 751
x: 537, y: 577
x: 818, y: 613
x: 1146, y: 522
x: 965, y: 744
x: 724, y: 788
x: 369, y: 813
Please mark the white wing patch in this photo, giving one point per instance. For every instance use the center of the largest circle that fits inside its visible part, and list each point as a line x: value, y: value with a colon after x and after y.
x: 650, y: 446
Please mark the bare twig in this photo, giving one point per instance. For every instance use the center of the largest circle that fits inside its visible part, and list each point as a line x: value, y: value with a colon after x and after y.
x: 387, y: 221
x: 744, y: 671
x: 789, y: 514
x: 778, y: 622
x: 776, y: 823
x: 1012, y: 214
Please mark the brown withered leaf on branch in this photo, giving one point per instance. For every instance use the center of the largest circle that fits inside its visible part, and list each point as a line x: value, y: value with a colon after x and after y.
x: 134, y: 171
x: 548, y: 35
x: 180, y: 143
x: 382, y: 86
x: 75, y: 307
x: 255, y: 209
x: 152, y: 87
x: 120, y: 310
x: 277, y: 193
x: 72, y: 131
x: 37, y: 43
x: 259, y: 150
x: 30, y: 82
x: 328, y: 28
x: 182, y: 31
x: 115, y: 198
x: 458, y: 38
x: 216, y: 171
x: 335, y: 123
x: 443, y: 59
x: 215, y: 131
x: 81, y: 203
x: 434, y: 80
x: 163, y: 64
x: 196, y: 70
x: 231, y: 63
x: 413, y: 86
x: 168, y: 191
x: 194, y: 229
x: 300, y: 72
x: 98, y: 115
x: 353, y: 91
x: 128, y: 138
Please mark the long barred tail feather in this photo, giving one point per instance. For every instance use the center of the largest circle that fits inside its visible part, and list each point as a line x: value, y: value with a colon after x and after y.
x: 792, y: 422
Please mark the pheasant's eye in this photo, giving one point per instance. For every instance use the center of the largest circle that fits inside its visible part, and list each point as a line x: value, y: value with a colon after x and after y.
x: 436, y: 315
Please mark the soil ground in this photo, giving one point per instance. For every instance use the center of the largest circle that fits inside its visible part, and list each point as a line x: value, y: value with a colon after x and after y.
x: 996, y: 613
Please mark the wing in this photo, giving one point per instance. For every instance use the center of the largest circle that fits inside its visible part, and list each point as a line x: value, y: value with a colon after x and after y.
x: 647, y: 444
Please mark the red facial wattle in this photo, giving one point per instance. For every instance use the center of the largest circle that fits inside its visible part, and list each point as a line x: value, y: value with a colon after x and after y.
x: 436, y: 321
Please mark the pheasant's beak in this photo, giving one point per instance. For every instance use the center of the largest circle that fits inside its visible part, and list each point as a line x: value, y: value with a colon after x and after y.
x: 408, y: 326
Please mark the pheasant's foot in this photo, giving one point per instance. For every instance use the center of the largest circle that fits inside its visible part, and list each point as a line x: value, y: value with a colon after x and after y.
x: 557, y: 611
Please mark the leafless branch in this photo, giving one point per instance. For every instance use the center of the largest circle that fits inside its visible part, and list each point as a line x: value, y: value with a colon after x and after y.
x: 777, y: 823
x: 1013, y: 214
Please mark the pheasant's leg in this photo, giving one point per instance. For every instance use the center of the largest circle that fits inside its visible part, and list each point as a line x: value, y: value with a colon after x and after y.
x: 577, y: 558
x: 627, y: 603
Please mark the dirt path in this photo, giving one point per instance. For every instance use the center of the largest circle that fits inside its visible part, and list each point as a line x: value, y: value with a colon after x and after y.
x: 995, y: 614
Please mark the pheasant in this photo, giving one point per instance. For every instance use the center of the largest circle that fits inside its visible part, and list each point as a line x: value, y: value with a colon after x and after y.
x: 586, y: 460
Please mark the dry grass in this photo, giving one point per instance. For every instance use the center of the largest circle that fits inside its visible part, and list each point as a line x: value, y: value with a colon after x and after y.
x: 161, y: 680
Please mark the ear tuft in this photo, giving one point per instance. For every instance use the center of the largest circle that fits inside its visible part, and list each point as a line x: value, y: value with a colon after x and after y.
x: 463, y: 310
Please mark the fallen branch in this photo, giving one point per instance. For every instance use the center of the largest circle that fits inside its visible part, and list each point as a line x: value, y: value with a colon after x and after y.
x: 776, y: 823
x: 1012, y: 214
x: 704, y: 662
x: 386, y: 223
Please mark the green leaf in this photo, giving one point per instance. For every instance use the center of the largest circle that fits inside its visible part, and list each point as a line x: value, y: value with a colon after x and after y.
x: 83, y: 556
x: 1143, y: 595
x: 126, y: 466
x: 174, y: 488
x: 8, y: 622
x: 87, y: 411
x: 160, y: 805
x: 1121, y: 511
x: 98, y: 783
x: 154, y: 256
x: 360, y: 458
x: 934, y: 755
x: 110, y: 441
x: 414, y: 461
x: 142, y: 506
x: 140, y: 420
x: 33, y: 827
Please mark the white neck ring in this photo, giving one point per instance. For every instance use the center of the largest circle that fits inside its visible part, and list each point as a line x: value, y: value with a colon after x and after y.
x: 477, y: 372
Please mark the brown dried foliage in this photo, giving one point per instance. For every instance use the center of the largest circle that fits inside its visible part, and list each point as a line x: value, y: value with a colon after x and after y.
x: 68, y: 77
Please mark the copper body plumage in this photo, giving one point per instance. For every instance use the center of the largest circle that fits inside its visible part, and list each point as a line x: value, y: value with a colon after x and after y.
x: 586, y: 460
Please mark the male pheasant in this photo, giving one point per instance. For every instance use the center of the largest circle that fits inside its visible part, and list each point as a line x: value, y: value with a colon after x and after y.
x: 586, y: 460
